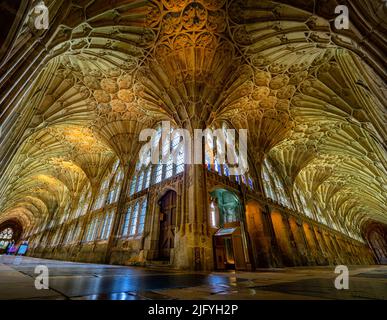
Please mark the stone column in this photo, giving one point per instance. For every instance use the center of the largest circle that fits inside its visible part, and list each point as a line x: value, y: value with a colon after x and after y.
x: 193, y: 242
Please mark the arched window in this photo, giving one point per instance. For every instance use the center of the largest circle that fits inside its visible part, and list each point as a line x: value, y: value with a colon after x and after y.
x: 5, y: 237
x: 141, y: 220
x: 83, y: 202
x: 216, y: 157
x: 147, y: 174
x: 302, y: 204
x: 92, y: 229
x: 134, y: 221
x: 273, y: 185
x: 6, y: 234
x: 103, y: 190
x: 115, y: 188
x: 102, y: 197
x: 69, y: 234
x: 107, y: 225
x: 267, y: 183
x: 66, y: 213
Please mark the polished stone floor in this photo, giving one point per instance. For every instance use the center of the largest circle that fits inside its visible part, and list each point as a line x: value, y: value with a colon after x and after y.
x: 69, y: 280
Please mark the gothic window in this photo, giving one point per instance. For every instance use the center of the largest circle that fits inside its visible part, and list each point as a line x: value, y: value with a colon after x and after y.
x: 107, y: 224
x: 69, y: 234
x: 66, y: 213
x: 171, y: 162
x: 5, y: 237
x: 141, y: 222
x: 305, y: 206
x: 125, y: 228
x: 83, y: 202
x: 148, y: 177
x: 102, y: 197
x: 226, y: 171
x: 180, y: 161
x: 273, y: 185
x: 159, y: 170
x: 6, y: 234
x: 267, y: 183
x: 140, y: 181
x: 133, y: 185
x: 134, y: 220
x: 93, y: 228
x: 115, y: 188
x: 216, y: 158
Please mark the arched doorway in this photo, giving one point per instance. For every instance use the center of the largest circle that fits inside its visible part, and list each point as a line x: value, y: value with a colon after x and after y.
x: 167, y: 224
x: 225, y: 220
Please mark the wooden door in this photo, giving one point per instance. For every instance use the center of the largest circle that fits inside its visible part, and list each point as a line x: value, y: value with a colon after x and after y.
x: 220, y: 256
x: 240, y: 263
x: 167, y: 224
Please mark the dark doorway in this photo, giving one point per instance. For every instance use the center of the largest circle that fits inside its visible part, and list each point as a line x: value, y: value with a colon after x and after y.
x: 167, y: 224
x: 224, y: 253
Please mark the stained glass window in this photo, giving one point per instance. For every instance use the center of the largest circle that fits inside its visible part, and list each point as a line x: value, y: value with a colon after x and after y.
x: 273, y: 186
x: 6, y: 234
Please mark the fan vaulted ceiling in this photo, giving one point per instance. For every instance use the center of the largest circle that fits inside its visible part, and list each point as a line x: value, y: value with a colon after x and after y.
x: 75, y: 97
